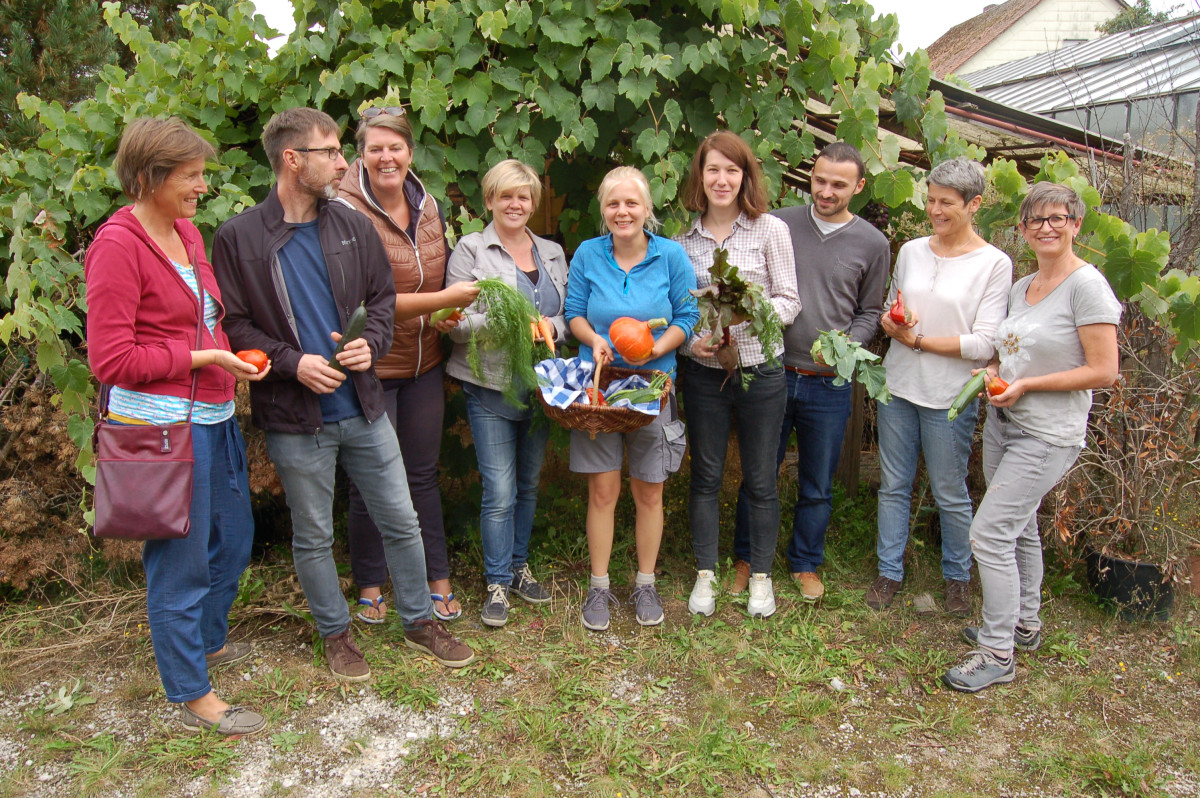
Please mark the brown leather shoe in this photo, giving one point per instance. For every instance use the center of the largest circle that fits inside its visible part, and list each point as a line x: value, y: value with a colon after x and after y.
x: 431, y: 637
x: 741, y: 577
x: 958, y: 597
x: 811, y: 587
x: 346, y: 661
x: 881, y: 592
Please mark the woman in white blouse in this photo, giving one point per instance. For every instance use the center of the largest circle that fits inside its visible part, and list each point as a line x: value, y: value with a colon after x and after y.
x: 955, y: 285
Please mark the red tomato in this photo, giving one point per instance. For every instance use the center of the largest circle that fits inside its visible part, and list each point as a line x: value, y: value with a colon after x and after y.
x: 255, y: 357
x: 996, y: 387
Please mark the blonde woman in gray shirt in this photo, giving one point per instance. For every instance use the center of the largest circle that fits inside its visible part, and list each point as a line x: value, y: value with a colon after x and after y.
x: 1058, y: 342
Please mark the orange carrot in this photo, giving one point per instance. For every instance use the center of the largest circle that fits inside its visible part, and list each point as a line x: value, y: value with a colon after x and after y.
x: 547, y: 333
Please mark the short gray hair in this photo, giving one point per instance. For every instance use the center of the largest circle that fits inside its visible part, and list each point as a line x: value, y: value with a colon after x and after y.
x: 1042, y: 195
x: 963, y: 175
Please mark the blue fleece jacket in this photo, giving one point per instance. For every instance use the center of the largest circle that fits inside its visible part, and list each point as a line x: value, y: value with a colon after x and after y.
x: 657, y: 288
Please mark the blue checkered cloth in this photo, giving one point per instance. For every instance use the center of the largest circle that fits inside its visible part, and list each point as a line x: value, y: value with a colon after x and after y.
x: 563, y: 383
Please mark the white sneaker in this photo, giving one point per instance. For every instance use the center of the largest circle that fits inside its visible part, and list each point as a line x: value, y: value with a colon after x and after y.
x: 762, y: 597
x: 702, y: 601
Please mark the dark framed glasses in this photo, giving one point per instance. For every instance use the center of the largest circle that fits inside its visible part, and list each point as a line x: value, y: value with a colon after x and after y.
x: 331, y: 152
x: 1056, y: 221
x: 387, y: 110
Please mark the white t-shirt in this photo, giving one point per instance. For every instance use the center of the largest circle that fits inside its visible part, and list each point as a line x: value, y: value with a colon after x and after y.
x: 1044, y: 339
x: 967, y: 296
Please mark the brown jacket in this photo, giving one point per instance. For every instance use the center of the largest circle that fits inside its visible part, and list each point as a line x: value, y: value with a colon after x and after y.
x: 416, y: 345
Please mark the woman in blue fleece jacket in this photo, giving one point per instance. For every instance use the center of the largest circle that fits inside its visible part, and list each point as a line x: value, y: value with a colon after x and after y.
x: 629, y: 272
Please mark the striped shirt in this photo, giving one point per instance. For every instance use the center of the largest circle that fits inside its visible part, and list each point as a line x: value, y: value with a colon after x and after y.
x: 761, y: 249
x: 154, y: 408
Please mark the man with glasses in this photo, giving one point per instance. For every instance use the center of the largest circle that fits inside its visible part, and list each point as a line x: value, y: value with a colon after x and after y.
x: 292, y: 270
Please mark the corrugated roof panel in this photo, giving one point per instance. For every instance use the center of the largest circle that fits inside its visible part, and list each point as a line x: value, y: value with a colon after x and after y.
x: 1114, y: 57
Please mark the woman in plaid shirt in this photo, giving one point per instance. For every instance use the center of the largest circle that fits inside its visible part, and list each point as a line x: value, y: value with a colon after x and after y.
x: 725, y: 186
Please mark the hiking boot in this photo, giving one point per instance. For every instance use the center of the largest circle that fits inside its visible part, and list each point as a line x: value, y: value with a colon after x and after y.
x: 762, y: 597
x: 346, y: 662
x: 432, y: 637
x: 981, y: 669
x: 595, y: 608
x: 1023, y: 639
x: 647, y: 606
x: 741, y: 578
x: 525, y: 586
x: 495, y: 606
x: 702, y: 601
x: 881, y: 592
x: 810, y: 585
x: 958, y: 598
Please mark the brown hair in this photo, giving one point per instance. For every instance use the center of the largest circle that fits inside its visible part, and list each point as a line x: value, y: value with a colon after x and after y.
x: 1043, y: 194
x: 752, y: 196
x: 150, y: 149
x: 841, y: 152
x: 396, y: 124
x: 290, y: 129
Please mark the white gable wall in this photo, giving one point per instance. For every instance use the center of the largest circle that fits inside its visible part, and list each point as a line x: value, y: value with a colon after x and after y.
x: 1042, y: 30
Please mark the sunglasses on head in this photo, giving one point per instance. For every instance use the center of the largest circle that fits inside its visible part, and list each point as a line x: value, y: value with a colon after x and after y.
x: 389, y: 110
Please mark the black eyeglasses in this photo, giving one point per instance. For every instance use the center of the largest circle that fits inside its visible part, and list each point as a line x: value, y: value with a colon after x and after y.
x: 374, y: 111
x: 1056, y: 221
x: 332, y: 152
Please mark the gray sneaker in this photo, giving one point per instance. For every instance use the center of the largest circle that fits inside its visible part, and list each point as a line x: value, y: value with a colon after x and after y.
x: 647, y: 605
x: 525, y: 586
x: 495, y: 606
x: 1024, y: 639
x: 979, y: 670
x: 595, y: 608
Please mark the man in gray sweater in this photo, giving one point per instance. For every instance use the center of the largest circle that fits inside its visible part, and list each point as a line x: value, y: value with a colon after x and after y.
x: 842, y: 265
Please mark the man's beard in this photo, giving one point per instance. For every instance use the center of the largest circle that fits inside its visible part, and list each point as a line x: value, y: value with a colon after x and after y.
x: 326, y: 190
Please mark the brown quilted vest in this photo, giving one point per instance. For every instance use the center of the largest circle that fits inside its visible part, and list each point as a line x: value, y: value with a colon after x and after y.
x: 416, y: 346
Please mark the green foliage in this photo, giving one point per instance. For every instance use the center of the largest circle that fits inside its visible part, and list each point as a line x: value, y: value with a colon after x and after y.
x: 507, y: 315
x: 1137, y: 15
x: 852, y: 361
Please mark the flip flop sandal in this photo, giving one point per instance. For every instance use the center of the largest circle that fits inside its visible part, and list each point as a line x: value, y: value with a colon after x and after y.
x: 377, y: 603
x: 437, y: 598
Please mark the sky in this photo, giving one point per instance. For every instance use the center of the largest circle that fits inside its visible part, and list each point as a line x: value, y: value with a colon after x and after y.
x: 921, y: 21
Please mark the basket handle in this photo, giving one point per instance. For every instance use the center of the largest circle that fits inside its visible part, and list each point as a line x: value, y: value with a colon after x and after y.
x: 596, y: 374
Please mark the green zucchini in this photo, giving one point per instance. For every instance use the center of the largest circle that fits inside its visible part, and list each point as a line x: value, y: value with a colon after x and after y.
x: 443, y: 314
x: 968, y: 393
x: 354, y: 331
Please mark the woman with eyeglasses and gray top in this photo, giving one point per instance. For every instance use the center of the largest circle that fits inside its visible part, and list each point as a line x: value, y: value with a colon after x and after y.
x: 955, y: 285
x: 381, y: 184
x: 1058, y: 342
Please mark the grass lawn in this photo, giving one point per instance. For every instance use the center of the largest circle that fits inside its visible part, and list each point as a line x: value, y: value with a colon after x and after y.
x: 832, y: 699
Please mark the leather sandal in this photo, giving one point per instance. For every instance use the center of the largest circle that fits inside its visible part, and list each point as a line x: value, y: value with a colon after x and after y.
x: 235, y: 720
x: 438, y: 598
x: 376, y: 603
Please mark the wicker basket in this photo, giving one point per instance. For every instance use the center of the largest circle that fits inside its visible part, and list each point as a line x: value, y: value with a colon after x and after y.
x: 592, y: 418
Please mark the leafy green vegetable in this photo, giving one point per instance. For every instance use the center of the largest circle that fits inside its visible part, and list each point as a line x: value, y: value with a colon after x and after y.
x: 507, y: 313
x: 851, y: 361
x: 646, y: 393
x: 728, y: 296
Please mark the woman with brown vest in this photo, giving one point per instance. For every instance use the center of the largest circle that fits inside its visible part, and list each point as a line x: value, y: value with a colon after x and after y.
x: 380, y: 185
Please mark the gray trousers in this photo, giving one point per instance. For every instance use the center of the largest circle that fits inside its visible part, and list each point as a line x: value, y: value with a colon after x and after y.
x: 1020, y: 470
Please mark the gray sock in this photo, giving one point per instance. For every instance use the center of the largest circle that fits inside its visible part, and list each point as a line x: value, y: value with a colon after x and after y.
x: 599, y: 581
x: 643, y: 579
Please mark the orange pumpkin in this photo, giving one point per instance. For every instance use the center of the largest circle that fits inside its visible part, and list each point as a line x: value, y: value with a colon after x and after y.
x: 632, y: 338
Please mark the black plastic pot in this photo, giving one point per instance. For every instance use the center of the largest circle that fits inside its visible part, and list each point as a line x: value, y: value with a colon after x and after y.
x: 1137, y: 589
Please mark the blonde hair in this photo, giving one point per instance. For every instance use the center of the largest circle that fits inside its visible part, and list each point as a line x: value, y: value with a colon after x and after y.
x: 509, y: 175
x: 619, y: 175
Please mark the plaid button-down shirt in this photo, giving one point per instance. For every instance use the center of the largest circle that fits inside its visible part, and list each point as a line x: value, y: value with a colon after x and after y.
x: 762, y: 251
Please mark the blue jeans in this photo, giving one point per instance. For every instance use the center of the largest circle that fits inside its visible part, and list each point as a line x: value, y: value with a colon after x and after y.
x: 371, y: 457
x: 191, y: 582
x: 906, y: 431
x: 510, y: 465
x: 818, y: 410
x: 710, y: 410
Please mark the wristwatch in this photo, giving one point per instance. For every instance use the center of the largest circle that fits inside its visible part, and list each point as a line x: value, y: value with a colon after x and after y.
x: 917, y: 343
